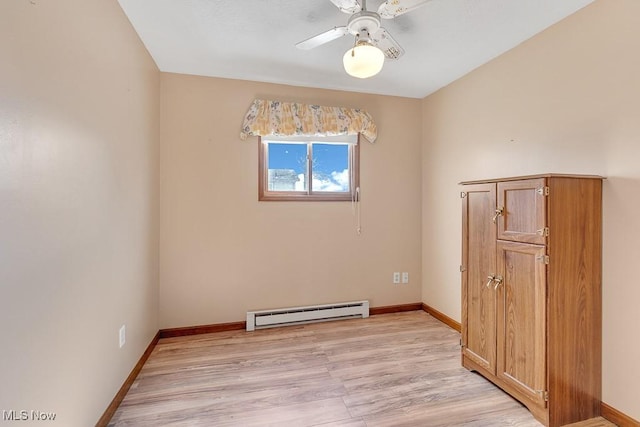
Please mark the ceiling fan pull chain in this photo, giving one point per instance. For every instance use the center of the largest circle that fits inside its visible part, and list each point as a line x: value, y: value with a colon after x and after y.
x: 353, y: 49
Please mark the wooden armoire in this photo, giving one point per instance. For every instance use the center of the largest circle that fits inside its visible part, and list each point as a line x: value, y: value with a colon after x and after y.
x: 531, y: 291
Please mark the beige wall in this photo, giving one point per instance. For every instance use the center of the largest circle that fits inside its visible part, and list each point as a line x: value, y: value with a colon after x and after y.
x: 222, y: 252
x: 567, y: 100
x: 79, y: 125
x: 79, y: 137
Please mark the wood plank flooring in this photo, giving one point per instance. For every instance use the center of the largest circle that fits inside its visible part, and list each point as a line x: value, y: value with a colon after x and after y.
x: 400, y: 369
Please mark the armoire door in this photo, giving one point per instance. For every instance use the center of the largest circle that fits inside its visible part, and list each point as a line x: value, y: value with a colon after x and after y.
x: 521, y: 319
x: 521, y: 208
x: 478, y: 266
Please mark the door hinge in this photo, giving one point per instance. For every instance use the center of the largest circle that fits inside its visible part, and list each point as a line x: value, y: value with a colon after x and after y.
x: 543, y: 259
x: 544, y: 394
x: 463, y: 268
x: 543, y: 232
x: 463, y: 194
x: 543, y: 191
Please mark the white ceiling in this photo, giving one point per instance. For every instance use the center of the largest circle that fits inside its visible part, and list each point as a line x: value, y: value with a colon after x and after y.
x: 255, y: 39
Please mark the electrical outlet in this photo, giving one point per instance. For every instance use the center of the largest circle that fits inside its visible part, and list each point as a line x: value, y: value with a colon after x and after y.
x: 122, y: 336
x: 405, y: 277
x: 396, y: 277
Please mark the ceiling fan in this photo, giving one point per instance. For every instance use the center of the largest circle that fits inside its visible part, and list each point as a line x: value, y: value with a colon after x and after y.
x: 372, y: 42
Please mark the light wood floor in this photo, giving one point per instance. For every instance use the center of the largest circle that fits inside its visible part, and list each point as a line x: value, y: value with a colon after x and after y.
x: 388, y: 370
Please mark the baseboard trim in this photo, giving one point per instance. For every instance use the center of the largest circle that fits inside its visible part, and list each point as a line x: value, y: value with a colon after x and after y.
x: 442, y: 317
x: 119, y: 397
x: 373, y: 311
x: 202, y: 329
x: 235, y: 326
x: 618, y: 418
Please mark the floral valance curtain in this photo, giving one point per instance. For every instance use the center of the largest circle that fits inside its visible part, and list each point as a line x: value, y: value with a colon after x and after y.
x: 276, y: 118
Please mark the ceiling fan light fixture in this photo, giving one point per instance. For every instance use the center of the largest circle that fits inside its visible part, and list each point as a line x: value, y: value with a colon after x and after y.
x: 363, y: 60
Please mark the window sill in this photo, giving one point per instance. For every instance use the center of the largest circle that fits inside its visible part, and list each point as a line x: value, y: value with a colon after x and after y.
x: 284, y: 197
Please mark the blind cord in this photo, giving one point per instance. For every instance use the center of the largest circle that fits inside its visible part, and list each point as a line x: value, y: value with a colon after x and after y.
x: 355, y: 196
x: 358, y: 215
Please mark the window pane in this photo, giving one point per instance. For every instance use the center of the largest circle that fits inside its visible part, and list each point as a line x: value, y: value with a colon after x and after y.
x: 331, y: 167
x: 287, y: 167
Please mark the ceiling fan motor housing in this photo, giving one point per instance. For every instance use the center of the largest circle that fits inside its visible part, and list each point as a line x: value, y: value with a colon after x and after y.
x: 365, y: 20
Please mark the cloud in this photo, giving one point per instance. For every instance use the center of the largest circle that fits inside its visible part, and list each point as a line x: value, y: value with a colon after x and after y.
x: 299, y: 185
x: 336, y: 181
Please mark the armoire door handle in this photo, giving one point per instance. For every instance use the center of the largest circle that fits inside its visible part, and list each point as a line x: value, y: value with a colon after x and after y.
x: 491, y: 279
x: 499, y: 212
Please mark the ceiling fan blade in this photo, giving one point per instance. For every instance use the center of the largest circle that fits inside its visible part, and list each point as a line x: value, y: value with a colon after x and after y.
x: 347, y: 6
x: 322, y: 38
x: 392, y: 8
x: 387, y: 44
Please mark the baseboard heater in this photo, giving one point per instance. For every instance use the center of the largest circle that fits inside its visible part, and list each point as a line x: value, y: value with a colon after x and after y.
x: 299, y: 315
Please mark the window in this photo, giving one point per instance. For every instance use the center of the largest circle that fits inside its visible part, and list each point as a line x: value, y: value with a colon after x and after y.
x: 285, y: 165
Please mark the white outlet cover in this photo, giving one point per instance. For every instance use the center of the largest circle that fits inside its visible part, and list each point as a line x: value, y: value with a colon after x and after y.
x: 405, y: 277
x: 396, y: 277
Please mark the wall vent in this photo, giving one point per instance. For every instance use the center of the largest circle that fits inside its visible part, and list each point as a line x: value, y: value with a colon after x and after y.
x: 299, y: 315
